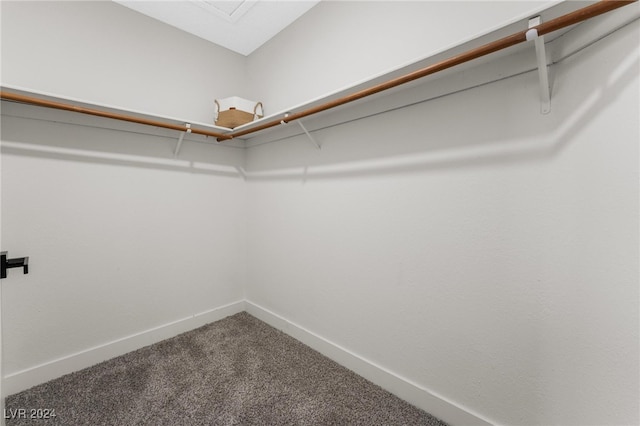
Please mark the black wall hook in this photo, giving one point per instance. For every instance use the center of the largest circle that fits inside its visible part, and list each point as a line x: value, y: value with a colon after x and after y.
x: 12, y: 263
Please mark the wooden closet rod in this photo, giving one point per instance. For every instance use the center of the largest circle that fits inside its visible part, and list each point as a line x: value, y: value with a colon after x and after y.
x: 106, y: 114
x: 571, y: 18
x: 575, y: 17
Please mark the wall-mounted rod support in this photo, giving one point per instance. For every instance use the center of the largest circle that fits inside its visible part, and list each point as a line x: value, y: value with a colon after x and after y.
x: 572, y: 18
x: 311, y: 138
x: 180, y: 138
x: 543, y: 72
x: 178, y: 145
x: 19, y: 262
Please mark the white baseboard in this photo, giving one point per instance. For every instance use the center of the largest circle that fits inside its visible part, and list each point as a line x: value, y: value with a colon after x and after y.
x: 399, y: 386
x: 22, y: 380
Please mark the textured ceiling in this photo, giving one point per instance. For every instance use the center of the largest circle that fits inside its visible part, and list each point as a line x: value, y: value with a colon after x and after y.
x: 238, y: 25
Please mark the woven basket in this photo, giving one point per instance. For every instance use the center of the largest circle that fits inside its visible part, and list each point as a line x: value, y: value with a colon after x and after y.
x: 236, y: 111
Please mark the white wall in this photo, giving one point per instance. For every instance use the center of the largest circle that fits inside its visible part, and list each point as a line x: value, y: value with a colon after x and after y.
x: 339, y: 43
x: 127, y: 245
x: 103, y: 52
x: 482, y: 251
x: 2, y: 395
x: 122, y: 239
x: 492, y: 262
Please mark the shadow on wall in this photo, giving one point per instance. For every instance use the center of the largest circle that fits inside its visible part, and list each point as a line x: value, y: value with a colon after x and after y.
x: 492, y: 124
x: 60, y: 135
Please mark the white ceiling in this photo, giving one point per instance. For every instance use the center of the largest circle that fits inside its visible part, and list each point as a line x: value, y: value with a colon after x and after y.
x: 238, y: 25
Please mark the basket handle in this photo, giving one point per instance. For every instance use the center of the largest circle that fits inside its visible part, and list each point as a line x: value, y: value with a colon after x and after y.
x: 255, y: 110
x: 217, y: 107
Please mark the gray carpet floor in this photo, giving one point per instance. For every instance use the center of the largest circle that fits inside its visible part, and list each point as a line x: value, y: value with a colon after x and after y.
x: 236, y: 371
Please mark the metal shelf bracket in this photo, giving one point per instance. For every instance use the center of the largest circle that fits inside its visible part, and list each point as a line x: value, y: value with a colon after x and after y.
x: 177, y: 150
x: 543, y: 72
x: 311, y: 138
